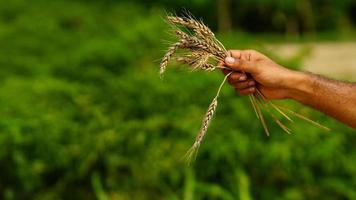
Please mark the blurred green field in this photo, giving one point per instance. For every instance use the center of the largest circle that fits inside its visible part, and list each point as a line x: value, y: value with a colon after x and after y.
x: 84, y: 115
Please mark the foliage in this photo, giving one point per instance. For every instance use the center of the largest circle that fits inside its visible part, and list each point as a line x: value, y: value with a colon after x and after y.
x: 84, y: 115
x: 290, y: 16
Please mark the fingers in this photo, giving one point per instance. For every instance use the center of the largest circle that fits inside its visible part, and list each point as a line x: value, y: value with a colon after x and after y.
x: 247, y: 91
x: 250, y: 55
x: 222, y: 65
x: 235, y: 53
x: 243, y: 60
x: 226, y: 71
x: 240, y: 64
x: 244, y: 85
x: 240, y: 61
x: 236, y: 77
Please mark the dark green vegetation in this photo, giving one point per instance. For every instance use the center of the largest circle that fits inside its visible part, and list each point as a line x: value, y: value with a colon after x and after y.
x: 84, y: 115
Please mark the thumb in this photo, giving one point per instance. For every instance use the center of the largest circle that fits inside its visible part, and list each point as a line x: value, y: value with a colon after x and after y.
x: 239, y: 64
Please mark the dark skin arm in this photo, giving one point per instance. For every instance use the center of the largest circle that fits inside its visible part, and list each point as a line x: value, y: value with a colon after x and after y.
x: 334, y: 98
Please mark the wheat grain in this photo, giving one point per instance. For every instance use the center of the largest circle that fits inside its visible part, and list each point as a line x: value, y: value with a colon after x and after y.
x: 205, y: 124
x: 209, y: 46
x: 207, y: 67
x: 197, y: 27
x: 202, y: 66
x: 207, y: 118
x: 171, y: 50
x: 198, y: 61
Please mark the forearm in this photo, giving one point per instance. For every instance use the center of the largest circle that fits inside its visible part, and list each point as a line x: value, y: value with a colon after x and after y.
x: 335, y: 98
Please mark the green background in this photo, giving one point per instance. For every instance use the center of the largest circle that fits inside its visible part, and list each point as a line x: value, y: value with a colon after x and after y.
x: 84, y: 115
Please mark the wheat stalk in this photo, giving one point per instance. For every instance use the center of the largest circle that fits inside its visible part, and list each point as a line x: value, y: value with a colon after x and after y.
x: 202, y: 51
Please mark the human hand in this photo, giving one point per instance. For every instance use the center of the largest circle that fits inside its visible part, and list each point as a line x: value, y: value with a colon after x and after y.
x: 253, y: 70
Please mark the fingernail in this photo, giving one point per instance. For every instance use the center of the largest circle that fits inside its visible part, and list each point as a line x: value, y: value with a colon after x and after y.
x: 242, y: 78
x: 230, y: 60
x: 251, y: 83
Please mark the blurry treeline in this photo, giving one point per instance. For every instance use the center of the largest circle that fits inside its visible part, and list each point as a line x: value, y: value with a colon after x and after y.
x: 285, y: 16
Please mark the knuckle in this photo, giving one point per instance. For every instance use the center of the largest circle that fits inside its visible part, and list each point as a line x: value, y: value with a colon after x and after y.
x: 230, y: 80
x: 243, y: 84
x: 251, y: 55
x: 235, y: 76
x: 249, y: 51
x: 234, y: 53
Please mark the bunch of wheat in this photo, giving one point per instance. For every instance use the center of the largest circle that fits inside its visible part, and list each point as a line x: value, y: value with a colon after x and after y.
x: 198, y: 48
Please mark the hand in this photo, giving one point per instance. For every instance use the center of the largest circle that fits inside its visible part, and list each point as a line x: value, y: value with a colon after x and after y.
x: 253, y: 70
x: 273, y: 80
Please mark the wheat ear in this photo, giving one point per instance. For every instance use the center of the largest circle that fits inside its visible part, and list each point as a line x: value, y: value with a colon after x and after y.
x: 206, y: 45
x: 197, y: 27
x: 200, y: 29
x: 192, y: 152
x: 171, y: 50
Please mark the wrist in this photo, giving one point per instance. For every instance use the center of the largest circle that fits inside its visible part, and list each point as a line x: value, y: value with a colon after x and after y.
x: 299, y: 85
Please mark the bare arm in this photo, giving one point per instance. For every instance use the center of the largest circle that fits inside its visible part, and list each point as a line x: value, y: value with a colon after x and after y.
x: 335, y: 98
